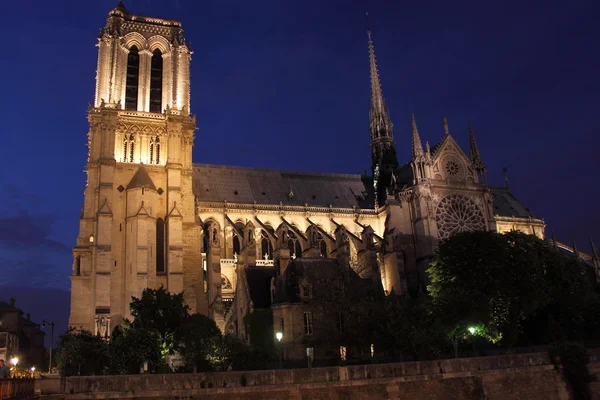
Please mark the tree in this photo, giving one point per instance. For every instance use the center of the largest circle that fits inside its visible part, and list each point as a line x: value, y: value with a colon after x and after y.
x: 498, y: 281
x: 81, y: 353
x: 163, y: 312
x: 130, y: 348
x: 201, y: 339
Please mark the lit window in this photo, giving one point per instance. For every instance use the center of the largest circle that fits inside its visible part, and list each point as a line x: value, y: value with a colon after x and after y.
x: 91, y: 238
x: 308, y: 327
x: 343, y: 353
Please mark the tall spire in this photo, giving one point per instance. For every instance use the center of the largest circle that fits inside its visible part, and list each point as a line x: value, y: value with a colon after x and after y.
x: 475, y: 155
x: 575, y: 251
x: 383, y: 148
x: 381, y: 124
x: 417, y: 146
x: 553, y: 239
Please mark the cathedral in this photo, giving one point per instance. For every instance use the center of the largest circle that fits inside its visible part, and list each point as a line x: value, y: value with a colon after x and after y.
x: 226, y: 235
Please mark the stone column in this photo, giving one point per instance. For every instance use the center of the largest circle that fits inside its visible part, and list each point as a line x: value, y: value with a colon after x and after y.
x: 144, y: 81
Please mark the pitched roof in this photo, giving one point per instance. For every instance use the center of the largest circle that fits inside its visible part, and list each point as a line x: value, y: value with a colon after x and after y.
x: 141, y: 179
x: 266, y: 186
x: 259, y: 285
x: 507, y: 205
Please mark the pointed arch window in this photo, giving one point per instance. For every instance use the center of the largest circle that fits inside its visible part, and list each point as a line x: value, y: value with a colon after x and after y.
x: 156, y: 71
x: 160, y: 246
x: 155, y: 150
x: 131, y: 147
x: 323, y: 248
x: 294, y: 245
x: 133, y: 77
x: 266, y: 248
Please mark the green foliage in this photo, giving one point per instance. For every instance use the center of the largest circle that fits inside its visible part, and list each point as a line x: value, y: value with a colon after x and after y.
x: 408, y: 326
x: 163, y: 312
x: 131, y: 348
x: 575, y: 360
x: 81, y: 353
x: 200, y: 340
x: 504, y: 281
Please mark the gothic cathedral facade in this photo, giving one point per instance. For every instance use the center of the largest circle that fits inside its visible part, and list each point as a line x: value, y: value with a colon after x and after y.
x: 151, y: 217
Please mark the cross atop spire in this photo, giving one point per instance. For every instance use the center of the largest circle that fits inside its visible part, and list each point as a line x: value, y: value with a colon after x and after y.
x: 417, y: 147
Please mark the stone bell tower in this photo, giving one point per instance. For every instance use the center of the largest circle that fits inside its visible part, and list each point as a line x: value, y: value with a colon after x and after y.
x: 138, y: 201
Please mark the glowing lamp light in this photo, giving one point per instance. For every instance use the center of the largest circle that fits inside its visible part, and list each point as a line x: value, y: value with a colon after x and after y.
x: 32, y: 369
x: 279, y: 336
x: 14, y: 361
x: 472, y: 330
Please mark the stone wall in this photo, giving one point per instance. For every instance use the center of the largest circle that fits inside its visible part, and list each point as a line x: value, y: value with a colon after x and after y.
x: 525, y: 376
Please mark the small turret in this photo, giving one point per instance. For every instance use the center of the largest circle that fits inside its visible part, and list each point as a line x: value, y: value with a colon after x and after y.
x: 446, y: 130
x: 478, y: 164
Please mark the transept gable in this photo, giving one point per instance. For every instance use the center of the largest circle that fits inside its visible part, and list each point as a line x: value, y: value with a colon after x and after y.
x: 449, y: 162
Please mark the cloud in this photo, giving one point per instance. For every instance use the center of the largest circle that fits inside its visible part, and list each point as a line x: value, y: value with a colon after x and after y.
x: 29, y: 231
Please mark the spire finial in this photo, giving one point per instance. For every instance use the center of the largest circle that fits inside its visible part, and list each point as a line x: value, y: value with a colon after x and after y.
x: 575, y: 251
x: 446, y: 130
x: 474, y: 150
x: 505, y: 171
x: 417, y: 146
x: 553, y: 239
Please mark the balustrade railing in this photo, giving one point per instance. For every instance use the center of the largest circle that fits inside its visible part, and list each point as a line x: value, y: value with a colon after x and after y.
x: 17, y: 388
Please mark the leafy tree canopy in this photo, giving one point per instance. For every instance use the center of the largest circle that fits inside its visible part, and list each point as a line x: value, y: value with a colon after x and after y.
x: 499, y: 280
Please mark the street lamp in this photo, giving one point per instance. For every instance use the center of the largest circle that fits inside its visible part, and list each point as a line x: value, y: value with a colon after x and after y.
x: 14, y: 361
x: 279, y: 336
x: 44, y: 322
x: 472, y: 330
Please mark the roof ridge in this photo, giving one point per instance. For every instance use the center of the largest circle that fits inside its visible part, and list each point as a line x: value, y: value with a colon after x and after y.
x: 286, y: 172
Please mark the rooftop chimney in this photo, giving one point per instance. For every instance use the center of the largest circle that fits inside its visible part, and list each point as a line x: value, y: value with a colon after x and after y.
x: 28, y: 316
x: 12, y: 301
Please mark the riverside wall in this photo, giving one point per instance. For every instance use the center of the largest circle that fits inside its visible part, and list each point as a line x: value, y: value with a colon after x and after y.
x: 522, y: 376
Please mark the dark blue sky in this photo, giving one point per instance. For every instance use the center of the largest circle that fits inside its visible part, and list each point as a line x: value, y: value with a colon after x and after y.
x: 285, y: 84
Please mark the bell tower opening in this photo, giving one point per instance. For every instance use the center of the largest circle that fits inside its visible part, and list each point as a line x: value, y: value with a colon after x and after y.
x: 133, y: 78
x: 156, y: 73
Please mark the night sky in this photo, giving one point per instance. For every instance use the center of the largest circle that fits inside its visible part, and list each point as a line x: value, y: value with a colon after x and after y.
x: 285, y: 85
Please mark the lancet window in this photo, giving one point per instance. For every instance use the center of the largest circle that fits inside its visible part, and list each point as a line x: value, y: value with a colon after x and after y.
x: 155, y: 150
x: 133, y: 77
x: 128, y: 148
x: 156, y: 71
x: 266, y: 248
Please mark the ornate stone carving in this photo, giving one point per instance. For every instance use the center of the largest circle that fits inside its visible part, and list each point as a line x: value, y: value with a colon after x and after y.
x: 456, y: 213
x: 453, y: 168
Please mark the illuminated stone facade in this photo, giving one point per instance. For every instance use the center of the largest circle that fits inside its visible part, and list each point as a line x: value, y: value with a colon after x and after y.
x: 153, y: 218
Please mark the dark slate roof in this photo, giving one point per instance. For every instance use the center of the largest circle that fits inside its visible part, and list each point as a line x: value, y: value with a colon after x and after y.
x: 507, y: 205
x: 266, y: 186
x: 141, y: 179
x: 259, y: 285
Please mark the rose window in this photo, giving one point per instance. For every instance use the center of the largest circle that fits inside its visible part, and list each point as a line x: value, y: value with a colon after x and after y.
x: 456, y: 214
x: 452, y: 168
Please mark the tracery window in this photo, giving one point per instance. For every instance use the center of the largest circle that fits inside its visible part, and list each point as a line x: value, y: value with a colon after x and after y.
x: 266, y: 248
x: 156, y: 71
x: 456, y: 213
x: 132, y: 82
x: 294, y: 245
x: 308, y: 326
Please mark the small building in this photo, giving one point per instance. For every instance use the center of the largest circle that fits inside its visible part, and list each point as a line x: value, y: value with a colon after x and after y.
x: 29, y: 345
